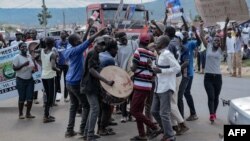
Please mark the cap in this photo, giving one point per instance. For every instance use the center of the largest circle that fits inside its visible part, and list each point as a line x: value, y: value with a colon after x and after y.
x: 160, y: 25
x: 145, y: 38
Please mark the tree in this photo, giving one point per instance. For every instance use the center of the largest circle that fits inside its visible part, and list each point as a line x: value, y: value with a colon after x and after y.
x: 44, y: 15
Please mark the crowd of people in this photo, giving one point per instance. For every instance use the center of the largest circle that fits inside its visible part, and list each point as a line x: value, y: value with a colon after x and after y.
x: 162, y: 64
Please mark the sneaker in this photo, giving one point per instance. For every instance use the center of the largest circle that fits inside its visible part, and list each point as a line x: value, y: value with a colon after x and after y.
x: 70, y: 134
x: 123, y: 120
x: 212, y: 117
x: 105, y: 132
x: 139, y: 138
x: 66, y: 100
x: 112, y: 124
x: 21, y: 117
x: 154, y: 133
x: 47, y: 120
x: 192, y: 118
x: 182, y: 130
x: 51, y: 117
x: 30, y: 116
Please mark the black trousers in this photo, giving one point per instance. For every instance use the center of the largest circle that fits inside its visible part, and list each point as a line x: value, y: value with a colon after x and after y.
x: 213, y: 84
x: 64, y: 70
x: 49, y: 87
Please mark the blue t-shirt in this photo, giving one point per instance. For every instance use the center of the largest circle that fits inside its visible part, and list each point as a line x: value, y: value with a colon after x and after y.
x: 75, y: 59
x: 184, y: 56
x: 106, y: 59
x: 191, y: 45
x: 61, y: 46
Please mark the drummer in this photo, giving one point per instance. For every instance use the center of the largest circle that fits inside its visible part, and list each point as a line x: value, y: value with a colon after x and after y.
x: 91, y: 85
x: 106, y: 59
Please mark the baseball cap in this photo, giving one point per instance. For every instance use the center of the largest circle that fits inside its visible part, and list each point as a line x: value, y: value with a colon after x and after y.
x: 145, y: 38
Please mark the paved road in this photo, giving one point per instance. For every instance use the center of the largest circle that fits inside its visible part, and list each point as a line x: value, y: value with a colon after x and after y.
x: 12, y: 129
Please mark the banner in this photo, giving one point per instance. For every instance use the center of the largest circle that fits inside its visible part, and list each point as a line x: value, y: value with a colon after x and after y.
x: 7, y: 74
x: 174, y: 8
x: 213, y: 11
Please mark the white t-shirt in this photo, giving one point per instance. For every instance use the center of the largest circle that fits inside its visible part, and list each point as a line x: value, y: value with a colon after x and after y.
x: 230, y: 44
x: 15, y: 43
x: 25, y: 72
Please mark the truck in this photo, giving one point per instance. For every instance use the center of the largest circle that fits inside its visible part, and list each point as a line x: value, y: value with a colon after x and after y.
x: 133, y: 18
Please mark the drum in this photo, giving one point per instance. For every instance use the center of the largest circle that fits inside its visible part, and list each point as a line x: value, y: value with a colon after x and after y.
x: 121, y: 89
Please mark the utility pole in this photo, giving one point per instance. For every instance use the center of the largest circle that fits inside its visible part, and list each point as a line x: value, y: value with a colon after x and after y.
x: 44, y: 16
x: 64, y: 23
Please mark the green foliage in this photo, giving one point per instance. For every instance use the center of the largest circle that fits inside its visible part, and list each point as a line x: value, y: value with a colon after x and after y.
x: 44, y: 16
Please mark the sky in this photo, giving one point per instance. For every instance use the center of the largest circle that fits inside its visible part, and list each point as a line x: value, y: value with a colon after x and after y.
x: 59, y: 3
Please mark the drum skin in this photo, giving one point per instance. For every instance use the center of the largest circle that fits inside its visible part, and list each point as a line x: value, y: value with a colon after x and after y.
x: 123, y: 85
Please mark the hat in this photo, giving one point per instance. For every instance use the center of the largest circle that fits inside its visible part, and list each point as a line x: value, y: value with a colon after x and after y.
x: 99, y: 40
x: 145, y: 38
x: 160, y: 25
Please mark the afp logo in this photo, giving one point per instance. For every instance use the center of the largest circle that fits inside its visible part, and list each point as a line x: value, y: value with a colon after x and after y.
x: 236, y: 132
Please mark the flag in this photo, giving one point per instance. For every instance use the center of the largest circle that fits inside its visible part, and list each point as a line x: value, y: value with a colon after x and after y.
x: 130, y: 11
x: 173, y: 6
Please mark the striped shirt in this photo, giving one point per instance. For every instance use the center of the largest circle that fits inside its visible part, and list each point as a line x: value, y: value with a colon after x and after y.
x: 144, y: 74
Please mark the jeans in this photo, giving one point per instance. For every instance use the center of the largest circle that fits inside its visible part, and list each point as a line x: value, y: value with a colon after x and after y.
x: 182, y: 88
x: 93, y: 99
x: 35, y: 95
x: 213, y: 84
x: 189, y: 97
x: 104, y: 116
x: 25, y: 89
x: 49, y: 87
x: 137, y: 107
x: 77, y: 99
x: 161, y: 110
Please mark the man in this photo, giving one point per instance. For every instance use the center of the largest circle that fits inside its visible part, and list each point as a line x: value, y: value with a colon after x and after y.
x: 191, y: 45
x: 230, y: 43
x: 2, y: 41
x: 23, y: 66
x: 106, y: 59
x: 143, y: 76
x: 166, y: 69
x: 19, y: 37
x: 126, y: 49
x: 61, y: 46
x: 237, y: 63
x: 74, y: 55
x: 91, y: 85
x: 49, y: 70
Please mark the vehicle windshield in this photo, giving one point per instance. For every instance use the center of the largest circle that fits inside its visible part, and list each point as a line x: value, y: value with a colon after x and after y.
x: 137, y: 18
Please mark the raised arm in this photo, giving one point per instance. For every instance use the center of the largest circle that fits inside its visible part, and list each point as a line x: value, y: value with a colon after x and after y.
x: 223, y: 47
x: 196, y: 36
x: 166, y: 17
x: 90, y: 23
x: 202, y: 34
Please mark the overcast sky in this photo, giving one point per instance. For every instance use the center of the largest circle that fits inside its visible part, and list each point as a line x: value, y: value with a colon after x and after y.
x: 58, y: 3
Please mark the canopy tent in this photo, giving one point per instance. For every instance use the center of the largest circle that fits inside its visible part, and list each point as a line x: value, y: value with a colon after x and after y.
x: 60, y: 3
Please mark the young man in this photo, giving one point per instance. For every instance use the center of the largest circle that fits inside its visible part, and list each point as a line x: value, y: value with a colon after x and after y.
x: 166, y: 69
x: 126, y: 49
x: 74, y: 55
x: 143, y: 76
x: 19, y: 37
x: 49, y: 70
x: 61, y: 46
x: 91, y: 85
x: 230, y: 43
x: 24, y: 66
x: 191, y: 45
x: 106, y: 59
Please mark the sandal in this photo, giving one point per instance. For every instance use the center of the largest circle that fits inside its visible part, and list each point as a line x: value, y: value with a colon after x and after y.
x: 139, y: 138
